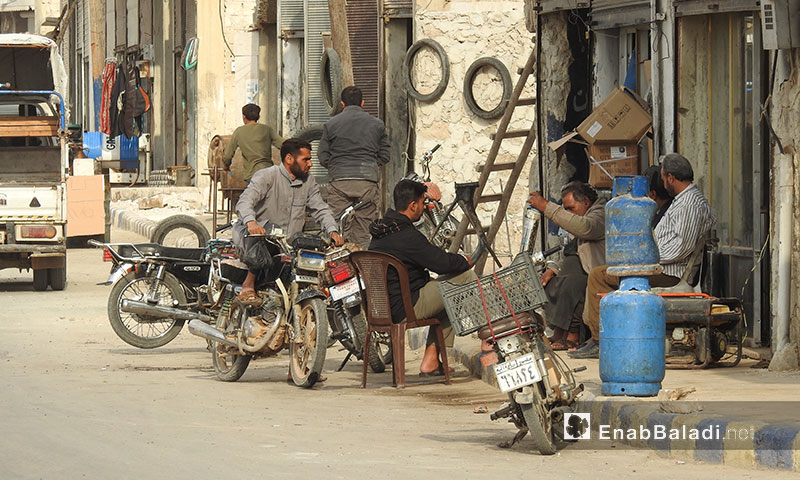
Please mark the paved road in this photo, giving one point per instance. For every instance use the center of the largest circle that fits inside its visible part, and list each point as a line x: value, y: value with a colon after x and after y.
x: 77, y: 402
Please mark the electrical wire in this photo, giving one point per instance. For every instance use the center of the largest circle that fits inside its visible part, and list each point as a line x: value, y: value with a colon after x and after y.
x: 222, y: 29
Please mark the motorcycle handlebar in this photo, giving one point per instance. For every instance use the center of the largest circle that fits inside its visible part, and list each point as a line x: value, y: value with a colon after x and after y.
x: 435, y: 148
x: 551, y: 251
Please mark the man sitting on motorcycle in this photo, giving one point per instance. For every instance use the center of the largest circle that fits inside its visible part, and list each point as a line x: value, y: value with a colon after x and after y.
x: 280, y: 195
x: 396, y: 235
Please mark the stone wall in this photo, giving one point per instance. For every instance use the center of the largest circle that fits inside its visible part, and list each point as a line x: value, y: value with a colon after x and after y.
x: 468, y: 30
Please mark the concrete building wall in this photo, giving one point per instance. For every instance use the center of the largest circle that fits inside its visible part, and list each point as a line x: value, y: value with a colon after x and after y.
x: 225, y: 81
x: 468, y: 30
x: 785, y: 221
x: 43, y: 9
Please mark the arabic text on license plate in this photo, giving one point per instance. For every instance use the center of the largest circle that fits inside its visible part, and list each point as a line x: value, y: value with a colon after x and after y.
x: 344, y: 289
x: 517, y: 373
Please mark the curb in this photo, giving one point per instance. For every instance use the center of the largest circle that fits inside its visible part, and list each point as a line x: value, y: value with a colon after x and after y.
x: 767, y: 446
x: 131, y: 222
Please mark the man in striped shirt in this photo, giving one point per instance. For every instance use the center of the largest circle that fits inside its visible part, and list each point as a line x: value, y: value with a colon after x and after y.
x: 687, y: 219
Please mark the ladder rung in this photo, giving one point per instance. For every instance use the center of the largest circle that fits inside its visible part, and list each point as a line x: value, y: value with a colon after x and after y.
x: 526, y: 101
x: 520, y: 70
x: 497, y: 167
x: 490, y: 198
x: 513, y: 134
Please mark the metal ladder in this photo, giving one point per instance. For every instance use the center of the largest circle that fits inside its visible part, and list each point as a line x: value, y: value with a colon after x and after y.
x: 490, y: 166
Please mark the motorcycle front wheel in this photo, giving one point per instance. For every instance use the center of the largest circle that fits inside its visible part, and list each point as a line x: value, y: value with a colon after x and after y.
x: 139, y: 330
x: 230, y: 366
x: 540, y: 424
x: 307, y: 348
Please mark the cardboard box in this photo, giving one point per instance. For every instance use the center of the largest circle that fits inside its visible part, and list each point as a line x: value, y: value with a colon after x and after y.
x: 86, y: 213
x: 620, y: 118
x: 608, y: 161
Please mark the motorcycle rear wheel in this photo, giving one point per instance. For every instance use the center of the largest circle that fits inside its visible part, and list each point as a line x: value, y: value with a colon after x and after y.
x: 230, y: 367
x: 308, y: 347
x: 375, y: 360
x: 129, y: 326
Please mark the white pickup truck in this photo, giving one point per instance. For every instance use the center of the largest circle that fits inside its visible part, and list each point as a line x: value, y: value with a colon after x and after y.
x: 33, y: 159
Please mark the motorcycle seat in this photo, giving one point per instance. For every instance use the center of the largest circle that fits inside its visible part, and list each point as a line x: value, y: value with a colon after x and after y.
x: 507, y: 324
x: 156, y: 250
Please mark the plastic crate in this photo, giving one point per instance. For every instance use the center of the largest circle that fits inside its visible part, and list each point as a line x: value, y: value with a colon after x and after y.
x: 520, y: 282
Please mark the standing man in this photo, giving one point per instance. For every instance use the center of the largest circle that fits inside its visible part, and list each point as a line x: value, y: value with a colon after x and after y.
x: 280, y: 194
x: 353, y: 147
x: 255, y: 140
x: 687, y: 219
x: 581, y: 214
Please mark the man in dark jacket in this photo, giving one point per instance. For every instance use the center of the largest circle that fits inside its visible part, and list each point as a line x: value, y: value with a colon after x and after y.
x: 353, y: 147
x: 395, y: 234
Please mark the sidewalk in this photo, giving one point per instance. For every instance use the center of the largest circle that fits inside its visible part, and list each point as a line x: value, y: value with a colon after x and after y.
x: 731, y: 398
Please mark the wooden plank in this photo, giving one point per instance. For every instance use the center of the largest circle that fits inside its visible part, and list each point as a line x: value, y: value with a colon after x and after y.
x: 526, y: 101
x: 497, y: 167
x: 511, y: 134
x: 29, y: 126
x: 490, y: 198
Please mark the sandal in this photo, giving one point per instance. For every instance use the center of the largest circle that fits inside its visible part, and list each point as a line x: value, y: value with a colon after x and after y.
x: 439, y: 372
x: 249, y: 297
x: 563, y: 344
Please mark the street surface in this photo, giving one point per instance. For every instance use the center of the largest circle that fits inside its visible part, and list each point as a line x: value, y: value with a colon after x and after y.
x: 77, y: 402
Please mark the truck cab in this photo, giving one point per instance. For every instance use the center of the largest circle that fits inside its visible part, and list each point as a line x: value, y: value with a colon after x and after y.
x: 33, y: 159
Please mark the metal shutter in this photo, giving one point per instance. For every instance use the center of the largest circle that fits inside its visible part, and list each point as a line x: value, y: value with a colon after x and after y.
x: 398, y: 8
x: 291, y: 13
x: 701, y: 7
x: 362, y: 23
x: 619, y: 13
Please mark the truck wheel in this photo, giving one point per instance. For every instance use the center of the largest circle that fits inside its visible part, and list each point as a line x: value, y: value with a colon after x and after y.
x: 40, y: 280
x: 57, y: 278
x: 181, y: 231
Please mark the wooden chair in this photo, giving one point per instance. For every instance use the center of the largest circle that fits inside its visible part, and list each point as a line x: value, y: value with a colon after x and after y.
x: 372, y: 268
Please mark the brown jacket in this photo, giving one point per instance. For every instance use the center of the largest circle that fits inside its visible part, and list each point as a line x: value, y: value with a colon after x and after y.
x: 590, y: 230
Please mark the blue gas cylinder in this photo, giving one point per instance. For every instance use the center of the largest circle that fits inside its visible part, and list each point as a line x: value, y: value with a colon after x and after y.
x: 632, y: 331
x: 630, y: 248
x: 632, y: 319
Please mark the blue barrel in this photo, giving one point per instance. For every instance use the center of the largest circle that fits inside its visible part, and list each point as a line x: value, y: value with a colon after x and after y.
x: 630, y: 248
x: 100, y: 146
x: 632, y: 332
x: 632, y: 319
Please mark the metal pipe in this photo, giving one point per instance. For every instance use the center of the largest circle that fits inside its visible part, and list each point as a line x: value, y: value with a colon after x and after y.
x: 162, y: 311
x: 204, y: 330
x: 783, y: 204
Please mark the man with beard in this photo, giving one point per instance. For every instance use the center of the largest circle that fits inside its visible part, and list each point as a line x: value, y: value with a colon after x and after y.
x: 280, y: 195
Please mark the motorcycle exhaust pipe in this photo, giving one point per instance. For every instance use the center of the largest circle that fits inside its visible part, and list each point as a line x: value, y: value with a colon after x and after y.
x: 161, y: 311
x: 202, y: 329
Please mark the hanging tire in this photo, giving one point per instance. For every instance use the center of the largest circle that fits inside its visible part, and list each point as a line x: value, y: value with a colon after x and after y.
x: 168, y: 230
x: 40, y: 280
x: 469, y: 80
x: 307, y: 349
x: 140, y: 331
x: 310, y: 133
x: 331, y: 78
x: 409, y: 62
x: 57, y: 277
x: 230, y: 366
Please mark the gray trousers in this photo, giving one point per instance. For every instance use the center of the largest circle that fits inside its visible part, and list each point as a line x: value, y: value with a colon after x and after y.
x: 430, y: 304
x: 342, y: 194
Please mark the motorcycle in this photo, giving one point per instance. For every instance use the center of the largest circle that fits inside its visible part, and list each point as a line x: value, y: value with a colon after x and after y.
x: 156, y: 288
x: 348, y: 324
x: 541, y: 388
x: 435, y: 213
x: 291, y: 313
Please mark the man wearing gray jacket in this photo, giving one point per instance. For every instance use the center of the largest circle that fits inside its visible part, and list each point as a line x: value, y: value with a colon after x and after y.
x: 280, y: 194
x: 353, y: 147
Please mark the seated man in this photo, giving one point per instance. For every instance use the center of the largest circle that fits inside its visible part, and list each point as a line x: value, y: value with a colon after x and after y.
x: 687, y: 219
x: 280, y: 195
x: 657, y: 192
x: 583, y: 215
x: 395, y: 234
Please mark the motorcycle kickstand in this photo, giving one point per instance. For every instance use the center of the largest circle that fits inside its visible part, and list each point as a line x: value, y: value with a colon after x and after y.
x: 344, y: 362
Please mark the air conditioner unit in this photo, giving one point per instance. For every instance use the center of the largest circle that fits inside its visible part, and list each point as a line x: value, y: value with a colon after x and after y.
x: 780, y: 24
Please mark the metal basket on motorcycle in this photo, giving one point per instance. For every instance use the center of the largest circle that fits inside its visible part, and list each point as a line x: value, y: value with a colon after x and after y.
x: 510, y: 291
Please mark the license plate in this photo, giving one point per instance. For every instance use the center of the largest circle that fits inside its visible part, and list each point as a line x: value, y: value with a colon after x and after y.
x: 348, y: 287
x: 517, y: 373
